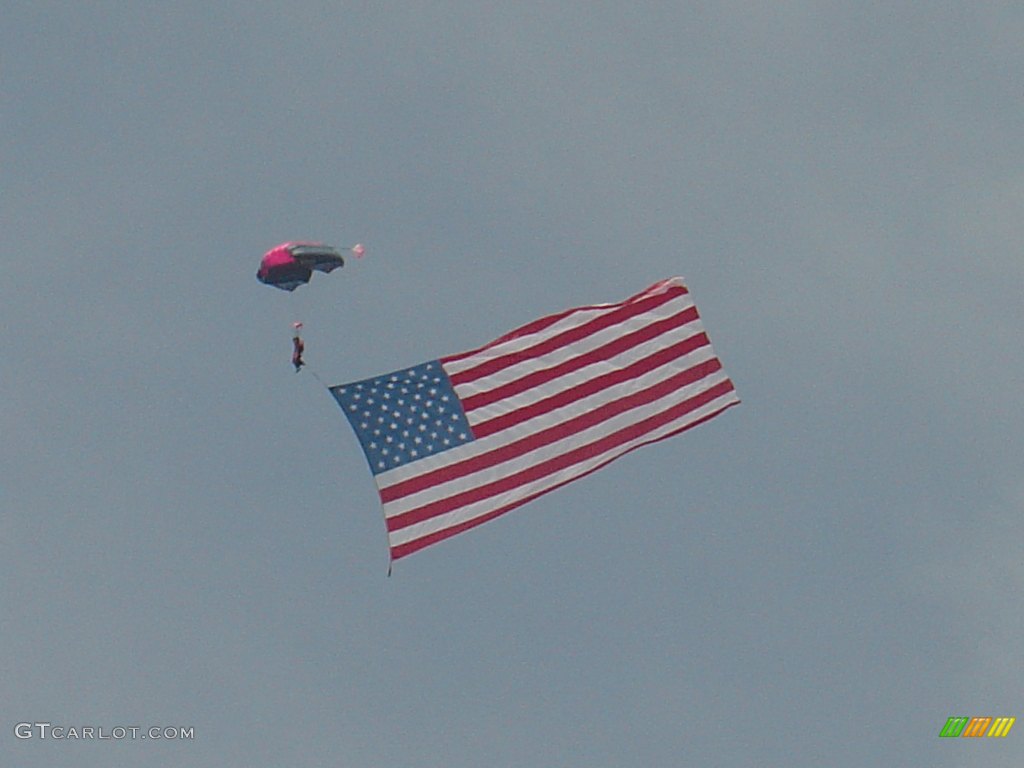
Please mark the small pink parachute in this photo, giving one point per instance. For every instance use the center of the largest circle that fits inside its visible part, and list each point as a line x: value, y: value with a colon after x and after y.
x: 289, y: 265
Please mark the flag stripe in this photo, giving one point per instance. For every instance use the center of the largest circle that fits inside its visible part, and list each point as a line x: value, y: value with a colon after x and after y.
x: 503, y: 465
x: 588, y: 416
x: 578, y: 315
x: 549, y: 482
x: 577, y: 379
x: 558, y: 462
x: 516, y: 340
x: 538, y: 378
x: 562, y: 398
x: 525, y: 365
x: 535, y: 427
x: 604, y: 320
x: 402, y: 546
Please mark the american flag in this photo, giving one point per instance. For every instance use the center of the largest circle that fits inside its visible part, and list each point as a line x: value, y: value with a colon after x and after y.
x: 458, y: 441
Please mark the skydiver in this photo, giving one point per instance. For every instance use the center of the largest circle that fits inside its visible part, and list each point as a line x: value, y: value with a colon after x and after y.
x: 297, y: 348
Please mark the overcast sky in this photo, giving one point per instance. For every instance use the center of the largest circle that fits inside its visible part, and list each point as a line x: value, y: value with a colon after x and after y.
x: 189, y: 535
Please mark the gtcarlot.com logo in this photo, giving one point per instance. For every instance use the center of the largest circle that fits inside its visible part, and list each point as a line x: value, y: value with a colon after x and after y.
x: 55, y: 732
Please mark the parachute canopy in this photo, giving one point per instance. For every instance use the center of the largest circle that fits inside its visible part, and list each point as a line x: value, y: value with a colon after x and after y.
x: 289, y: 265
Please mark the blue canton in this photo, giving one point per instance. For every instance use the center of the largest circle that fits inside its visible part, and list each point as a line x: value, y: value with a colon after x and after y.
x: 404, y: 416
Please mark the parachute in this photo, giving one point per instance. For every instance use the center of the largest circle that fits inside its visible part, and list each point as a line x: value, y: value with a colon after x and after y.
x: 289, y: 265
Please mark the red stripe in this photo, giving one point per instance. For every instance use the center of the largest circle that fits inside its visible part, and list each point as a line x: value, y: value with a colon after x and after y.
x: 592, y: 386
x: 556, y: 463
x: 552, y: 434
x: 545, y: 322
x: 613, y: 317
x: 535, y: 327
x: 407, y: 548
x: 604, y: 352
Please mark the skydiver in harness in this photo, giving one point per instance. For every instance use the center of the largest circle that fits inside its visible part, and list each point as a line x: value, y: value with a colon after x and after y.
x: 298, y: 347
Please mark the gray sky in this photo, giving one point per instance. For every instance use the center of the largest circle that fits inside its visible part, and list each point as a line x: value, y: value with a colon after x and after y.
x: 189, y: 534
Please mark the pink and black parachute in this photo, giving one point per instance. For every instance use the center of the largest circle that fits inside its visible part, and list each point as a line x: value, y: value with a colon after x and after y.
x: 289, y: 265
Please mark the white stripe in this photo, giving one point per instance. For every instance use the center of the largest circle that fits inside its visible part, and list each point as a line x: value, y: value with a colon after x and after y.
x: 570, y: 351
x: 543, y: 421
x: 575, y: 318
x: 574, y: 379
x: 486, y: 506
x: 550, y: 451
x: 572, y: 320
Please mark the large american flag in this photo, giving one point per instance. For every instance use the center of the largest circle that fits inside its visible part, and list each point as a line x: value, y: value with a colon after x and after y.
x: 460, y: 440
